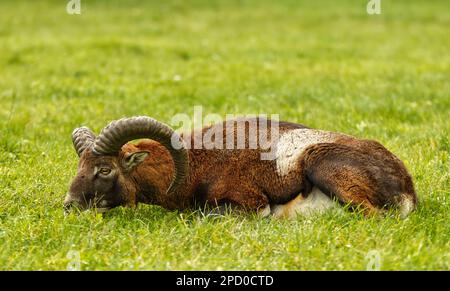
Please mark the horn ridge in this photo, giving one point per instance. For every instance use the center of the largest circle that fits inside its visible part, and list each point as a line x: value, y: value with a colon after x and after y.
x: 119, y: 132
x: 82, y: 138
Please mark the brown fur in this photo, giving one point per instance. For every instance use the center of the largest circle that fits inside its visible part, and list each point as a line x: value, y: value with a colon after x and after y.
x: 358, y: 172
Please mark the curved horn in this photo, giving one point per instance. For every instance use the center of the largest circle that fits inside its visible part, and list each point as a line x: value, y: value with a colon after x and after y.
x: 82, y: 138
x: 119, y: 132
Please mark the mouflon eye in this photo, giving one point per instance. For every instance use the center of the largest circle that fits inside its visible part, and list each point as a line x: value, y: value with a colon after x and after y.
x: 104, y: 171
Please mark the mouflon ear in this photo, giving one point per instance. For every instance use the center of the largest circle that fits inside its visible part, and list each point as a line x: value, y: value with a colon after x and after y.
x: 131, y: 160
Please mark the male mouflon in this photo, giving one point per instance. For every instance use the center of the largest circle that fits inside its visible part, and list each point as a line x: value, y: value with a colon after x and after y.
x: 311, y: 170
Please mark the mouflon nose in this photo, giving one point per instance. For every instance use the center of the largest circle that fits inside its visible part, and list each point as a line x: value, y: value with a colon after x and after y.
x: 67, y: 207
x: 69, y: 202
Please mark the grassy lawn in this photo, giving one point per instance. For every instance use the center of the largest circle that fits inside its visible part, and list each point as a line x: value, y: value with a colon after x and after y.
x: 327, y: 64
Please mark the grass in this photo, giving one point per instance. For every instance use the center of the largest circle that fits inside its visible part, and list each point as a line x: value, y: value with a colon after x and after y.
x: 326, y: 64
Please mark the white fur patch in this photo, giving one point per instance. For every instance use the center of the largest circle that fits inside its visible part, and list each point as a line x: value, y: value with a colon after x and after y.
x: 264, y: 212
x: 292, y: 144
x: 316, y: 202
x: 406, y: 207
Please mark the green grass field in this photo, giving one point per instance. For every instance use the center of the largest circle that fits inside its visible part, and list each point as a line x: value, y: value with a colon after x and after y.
x: 327, y: 64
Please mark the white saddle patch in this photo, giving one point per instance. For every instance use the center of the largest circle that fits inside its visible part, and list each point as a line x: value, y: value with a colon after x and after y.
x: 292, y: 144
x: 316, y: 202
